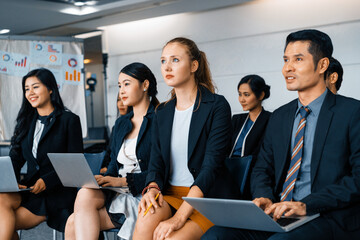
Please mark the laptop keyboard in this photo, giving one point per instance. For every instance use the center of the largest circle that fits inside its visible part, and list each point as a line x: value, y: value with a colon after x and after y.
x: 285, y: 221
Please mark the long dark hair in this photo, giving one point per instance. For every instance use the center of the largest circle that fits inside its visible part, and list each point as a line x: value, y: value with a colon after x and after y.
x: 27, y: 112
x: 141, y: 72
x: 257, y: 85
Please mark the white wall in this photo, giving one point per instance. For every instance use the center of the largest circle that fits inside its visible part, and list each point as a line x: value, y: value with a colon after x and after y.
x: 245, y: 39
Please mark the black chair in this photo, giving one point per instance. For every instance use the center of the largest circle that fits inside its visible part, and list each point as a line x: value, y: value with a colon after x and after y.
x: 95, y: 161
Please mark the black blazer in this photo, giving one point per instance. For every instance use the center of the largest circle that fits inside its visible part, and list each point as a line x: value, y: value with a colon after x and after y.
x: 335, y: 161
x: 63, y: 135
x: 254, y: 139
x: 123, y: 126
x: 252, y: 147
x: 209, y: 139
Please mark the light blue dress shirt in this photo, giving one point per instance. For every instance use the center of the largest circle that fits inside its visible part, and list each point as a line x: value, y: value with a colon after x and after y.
x: 303, y: 181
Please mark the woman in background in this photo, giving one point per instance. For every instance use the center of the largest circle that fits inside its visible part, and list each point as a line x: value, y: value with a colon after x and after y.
x: 97, y: 210
x: 121, y: 111
x: 190, y: 141
x: 249, y: 128
x: 43, y: 125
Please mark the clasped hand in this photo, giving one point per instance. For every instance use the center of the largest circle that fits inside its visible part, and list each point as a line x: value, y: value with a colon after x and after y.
x: 286, y: 208
x: 109, y: 181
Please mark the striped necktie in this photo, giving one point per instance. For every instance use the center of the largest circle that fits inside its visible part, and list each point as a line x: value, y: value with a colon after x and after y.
x: 296, y: 157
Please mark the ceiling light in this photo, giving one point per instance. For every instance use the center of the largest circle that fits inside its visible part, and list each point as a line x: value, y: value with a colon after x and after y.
x: 79, y: 11
x: 86, y: 61
x: 90, y: 3
x: 88, y: 35
x: 79, y: 4
x: 4, y: 31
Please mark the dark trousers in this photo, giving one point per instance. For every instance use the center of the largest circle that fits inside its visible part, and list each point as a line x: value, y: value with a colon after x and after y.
x: 318, y: 229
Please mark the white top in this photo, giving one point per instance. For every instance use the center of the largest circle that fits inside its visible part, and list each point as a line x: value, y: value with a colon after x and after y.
x: 39, y: 128
x: 179, y: 171
x: 127, y: 157
x: 126, y: 203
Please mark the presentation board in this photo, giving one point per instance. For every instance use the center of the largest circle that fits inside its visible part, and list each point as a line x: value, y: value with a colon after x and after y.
x: 64, y: 57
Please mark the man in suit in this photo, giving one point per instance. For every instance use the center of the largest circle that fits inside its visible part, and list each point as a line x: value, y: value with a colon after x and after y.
x: 325, y: 178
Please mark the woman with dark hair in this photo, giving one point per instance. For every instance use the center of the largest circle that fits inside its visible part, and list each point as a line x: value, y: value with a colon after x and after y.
x: 249, y: 128
x: 191, y: 135
x: 43, y: 125
x: 97, y: 210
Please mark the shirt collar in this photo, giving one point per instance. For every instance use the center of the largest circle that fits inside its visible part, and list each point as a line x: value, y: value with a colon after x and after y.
x: 314, y: 106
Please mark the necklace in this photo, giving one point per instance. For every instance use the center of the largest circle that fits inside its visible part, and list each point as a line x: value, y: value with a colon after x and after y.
x: 124, y: 147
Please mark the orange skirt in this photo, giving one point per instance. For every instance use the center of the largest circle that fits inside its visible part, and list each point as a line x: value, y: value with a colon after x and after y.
x: 173, y: 196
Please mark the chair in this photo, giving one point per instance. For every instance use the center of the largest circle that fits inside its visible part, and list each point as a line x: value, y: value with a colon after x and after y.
x: 95, y: 161
x: 19, y: 232
x: 114, y: 232
x: 239, y: 169
x: 61, y: 234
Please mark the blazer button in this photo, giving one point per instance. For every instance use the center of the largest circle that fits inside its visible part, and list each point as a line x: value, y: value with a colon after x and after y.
x: 139, y: 160
x: 193, y: 170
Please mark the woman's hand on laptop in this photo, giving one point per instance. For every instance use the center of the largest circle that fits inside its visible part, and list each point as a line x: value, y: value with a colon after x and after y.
x: 39, y: 186
x: 263, y: 203
x: 286, y: 209
x: 22, y: 186
x: 109, y: 181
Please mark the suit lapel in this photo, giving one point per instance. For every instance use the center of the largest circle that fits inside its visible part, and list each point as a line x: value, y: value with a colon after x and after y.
x: 30, y: 135
x: 322, y: 127
x: 144, y: 123
x: 29, y: 144
x: 285, y: 138
x: 198, y: 119
x: 165, y: 118
x: 52, y: 121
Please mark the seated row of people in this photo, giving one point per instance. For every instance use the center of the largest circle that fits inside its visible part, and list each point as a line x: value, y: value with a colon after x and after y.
x: 161, y: 153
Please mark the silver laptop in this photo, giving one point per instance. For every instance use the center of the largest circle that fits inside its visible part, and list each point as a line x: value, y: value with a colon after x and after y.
x: 243, y: 214
x: 74, y: 171
x: 8, y: 177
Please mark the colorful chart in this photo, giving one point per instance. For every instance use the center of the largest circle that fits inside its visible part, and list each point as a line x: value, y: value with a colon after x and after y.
x: 46, y: 54
x: 72, y: 69
x: 75, y: 76
x: 21, y: 63
x: 52, y: 49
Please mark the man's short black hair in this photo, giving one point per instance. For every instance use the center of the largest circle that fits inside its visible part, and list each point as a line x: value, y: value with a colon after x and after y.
x: 335, y: 67
x: 320, y: 43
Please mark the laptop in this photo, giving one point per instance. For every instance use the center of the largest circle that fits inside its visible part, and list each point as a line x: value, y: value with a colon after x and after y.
x: 74, y: 171
x: 8, y: 177
x: 244, y: 214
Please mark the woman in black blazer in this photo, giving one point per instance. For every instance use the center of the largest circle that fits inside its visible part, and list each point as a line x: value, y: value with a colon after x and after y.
x: 97, y: 210
x: 190, y: 141
x: 43, y: 126
x: 249, y: 128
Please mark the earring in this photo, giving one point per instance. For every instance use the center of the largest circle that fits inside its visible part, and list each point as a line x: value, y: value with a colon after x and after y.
x: 144, y: 89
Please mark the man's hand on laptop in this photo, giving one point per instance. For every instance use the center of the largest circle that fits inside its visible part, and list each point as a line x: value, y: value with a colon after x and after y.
x: 108, y: 181
x: 263, y: 203
x: 286, y: 209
